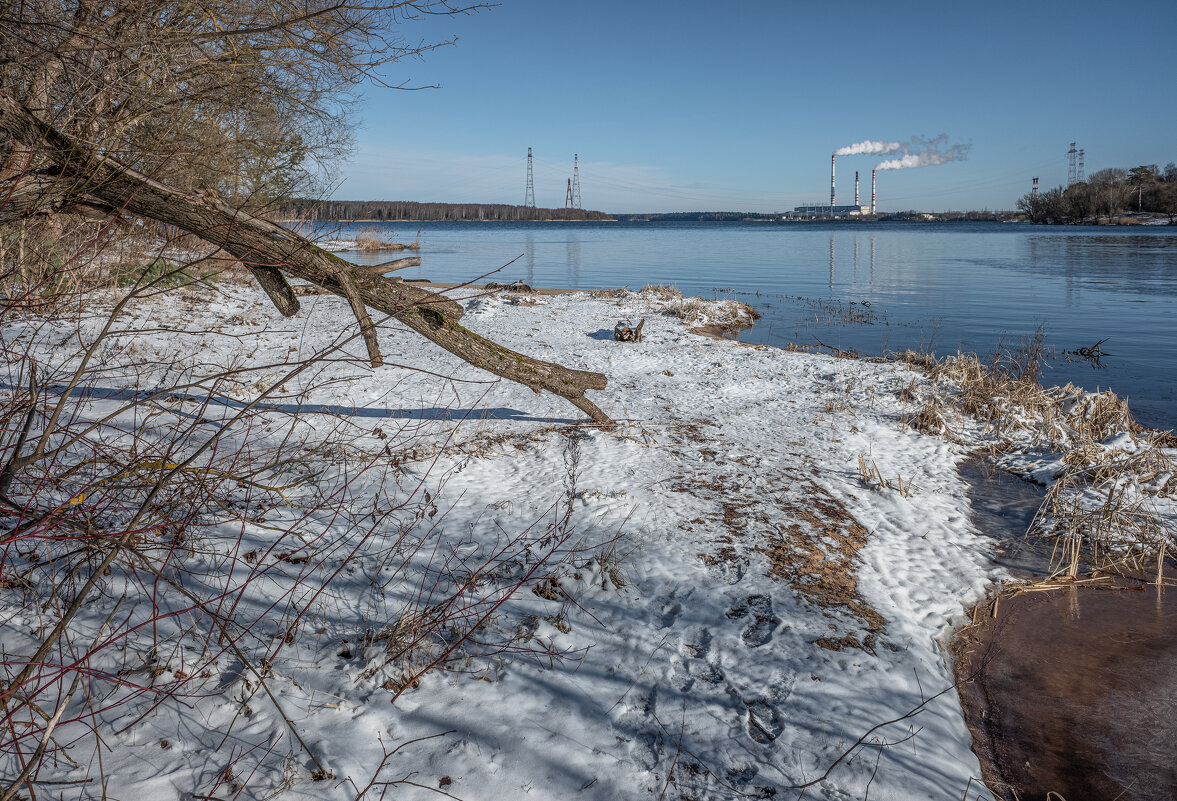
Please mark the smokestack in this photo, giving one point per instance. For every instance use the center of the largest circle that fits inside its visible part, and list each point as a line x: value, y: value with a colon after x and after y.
x: 832, y: 204
x: 872, y: 191
x: 856, y: 187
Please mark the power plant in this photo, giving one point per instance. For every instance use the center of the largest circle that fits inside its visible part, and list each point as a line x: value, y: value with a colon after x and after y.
x: 834, y: 210
x: 920, y: 151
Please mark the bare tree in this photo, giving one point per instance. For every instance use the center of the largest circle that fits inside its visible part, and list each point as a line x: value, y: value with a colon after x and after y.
x: 112, y: 107
x: 138, y: 533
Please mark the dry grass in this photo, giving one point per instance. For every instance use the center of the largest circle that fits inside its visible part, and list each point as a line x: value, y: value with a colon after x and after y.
x: 691, y: 310
x: 1102, y: 507
x: 371, y: 239
x: 929, y: 419
x: 662, y: 291
x: 616, y: 293
x: 916, y: 358
x: 738, y: 310
x: 1097, y: 510
x: 872, y: 478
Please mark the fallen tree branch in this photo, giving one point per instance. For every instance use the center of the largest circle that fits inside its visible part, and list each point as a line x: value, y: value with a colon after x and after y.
x: 269, y: 250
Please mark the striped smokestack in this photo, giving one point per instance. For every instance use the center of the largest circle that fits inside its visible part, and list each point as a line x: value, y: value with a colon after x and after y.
x: 872, y: 191
x: 856, y: 187
x: 832, y: 159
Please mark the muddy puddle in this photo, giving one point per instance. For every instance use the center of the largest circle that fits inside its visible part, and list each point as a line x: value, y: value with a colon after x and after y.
x: 1069, y: 691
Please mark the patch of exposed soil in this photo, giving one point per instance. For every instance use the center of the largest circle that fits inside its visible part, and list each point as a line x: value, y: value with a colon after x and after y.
x: 806, y: 535
x: 816, y: 552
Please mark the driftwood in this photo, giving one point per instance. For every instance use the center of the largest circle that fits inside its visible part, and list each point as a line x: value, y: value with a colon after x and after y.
x: 79, y: 175
x: 391, y: 266
x: 623, y: 332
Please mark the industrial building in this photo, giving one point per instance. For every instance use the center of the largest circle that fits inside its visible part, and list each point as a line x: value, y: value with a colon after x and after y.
x: 810, y: 212
x: 834, y: 211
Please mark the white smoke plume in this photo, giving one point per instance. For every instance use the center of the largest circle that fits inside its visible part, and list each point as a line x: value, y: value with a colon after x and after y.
x: 923, y: 152
x: 869, y: 148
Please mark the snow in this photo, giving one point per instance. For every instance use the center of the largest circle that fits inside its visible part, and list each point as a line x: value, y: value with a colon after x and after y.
x: 712, y: 540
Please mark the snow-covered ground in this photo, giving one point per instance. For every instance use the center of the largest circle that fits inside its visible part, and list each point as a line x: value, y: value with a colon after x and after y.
x: 740, y: 613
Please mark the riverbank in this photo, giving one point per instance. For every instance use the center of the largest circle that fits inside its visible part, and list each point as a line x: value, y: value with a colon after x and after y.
x: 751, y: 586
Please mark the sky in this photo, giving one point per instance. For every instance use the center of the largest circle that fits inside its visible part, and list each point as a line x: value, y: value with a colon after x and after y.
x: 697, y: 105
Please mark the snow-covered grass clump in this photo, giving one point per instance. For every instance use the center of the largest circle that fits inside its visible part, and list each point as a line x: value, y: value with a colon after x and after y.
x: 1111, y: 487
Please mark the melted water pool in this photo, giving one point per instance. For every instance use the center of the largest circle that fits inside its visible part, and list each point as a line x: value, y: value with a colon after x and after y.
x: 1072, y: 690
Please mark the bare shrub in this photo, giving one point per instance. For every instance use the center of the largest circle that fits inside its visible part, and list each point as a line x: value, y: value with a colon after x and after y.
x: 177, y: 533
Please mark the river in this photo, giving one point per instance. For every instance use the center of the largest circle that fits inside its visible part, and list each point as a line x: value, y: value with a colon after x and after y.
x: 870, y: 287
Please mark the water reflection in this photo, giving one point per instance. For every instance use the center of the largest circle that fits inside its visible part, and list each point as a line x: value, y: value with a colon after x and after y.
x: 831, y: 262
x: 529, y: 249
x: 572, y: 259
x: 1144, y: 264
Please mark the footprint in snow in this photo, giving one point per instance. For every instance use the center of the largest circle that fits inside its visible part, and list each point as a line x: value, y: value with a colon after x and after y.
x: 635, y: 724
x: 694, y: 642
x: 740, y: 773
x: 762, y: 721
x: 669, y: 611
x: 708, y: 672
x: 644, y: 750
x: 683, y: 673
x: 762, y: 623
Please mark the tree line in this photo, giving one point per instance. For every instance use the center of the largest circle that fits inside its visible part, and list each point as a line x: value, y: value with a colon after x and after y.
x: 696, y: 216
x: 1105, y: 195
x: 352, y: 210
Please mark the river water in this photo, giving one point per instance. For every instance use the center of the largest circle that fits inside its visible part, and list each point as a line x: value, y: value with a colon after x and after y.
x: 869, y: 287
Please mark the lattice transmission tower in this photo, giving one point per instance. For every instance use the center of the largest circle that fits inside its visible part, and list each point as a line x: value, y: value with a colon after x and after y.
x: 1072, y: 165
x: 1082, y: 176
x: 568, y: 195
x: 529, y: 192
x: 576, y: 181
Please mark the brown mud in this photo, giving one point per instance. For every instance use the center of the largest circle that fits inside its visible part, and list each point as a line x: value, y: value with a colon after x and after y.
x: 722, y: 331
x: 1071, y: 690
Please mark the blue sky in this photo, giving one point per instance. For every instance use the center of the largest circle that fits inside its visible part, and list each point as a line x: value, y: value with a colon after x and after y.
x: 677, y: 106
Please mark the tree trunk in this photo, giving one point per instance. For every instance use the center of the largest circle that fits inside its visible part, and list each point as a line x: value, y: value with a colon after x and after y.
x: 269, y: 250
